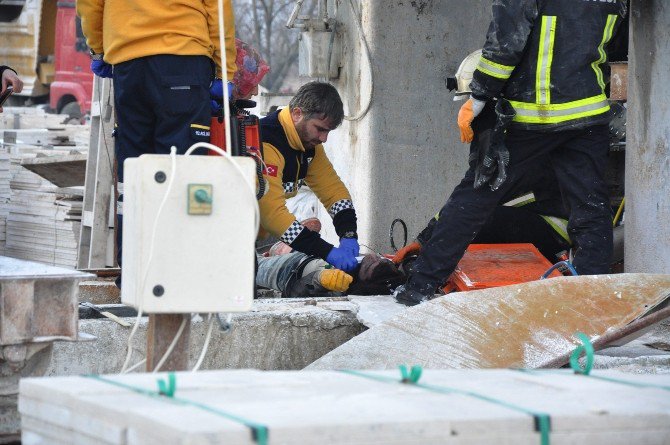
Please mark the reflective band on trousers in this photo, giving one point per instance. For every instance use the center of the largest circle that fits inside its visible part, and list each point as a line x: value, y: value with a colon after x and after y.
x: 532, y: 113
x: 493, y: 69
x: 544, y: 58
x: 521, y: 201
x: 559, y: 225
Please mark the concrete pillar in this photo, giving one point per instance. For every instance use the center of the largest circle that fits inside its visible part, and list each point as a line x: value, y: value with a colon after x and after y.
x: 404, y: 157
x: 647, y: 217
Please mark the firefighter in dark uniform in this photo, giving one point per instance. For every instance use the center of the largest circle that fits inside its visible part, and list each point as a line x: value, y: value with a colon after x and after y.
x: 294, y: 156
x: 548, y: 59
x: 531, y: 212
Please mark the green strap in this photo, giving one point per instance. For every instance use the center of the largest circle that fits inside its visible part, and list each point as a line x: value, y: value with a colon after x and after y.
x: 597, y: 377
x: 412, y: 376
x: 259, y: 432
x: 585, y: 347
x: 169, y: 386
x: 542, y: 420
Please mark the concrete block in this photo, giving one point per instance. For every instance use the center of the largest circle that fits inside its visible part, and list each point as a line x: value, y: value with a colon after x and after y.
x: 316, y: 407
x: 39, y: 302
x: 529, y: 325
x: 278, y: 334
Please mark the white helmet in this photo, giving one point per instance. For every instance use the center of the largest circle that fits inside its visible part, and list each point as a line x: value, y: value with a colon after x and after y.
x: 465, y: 72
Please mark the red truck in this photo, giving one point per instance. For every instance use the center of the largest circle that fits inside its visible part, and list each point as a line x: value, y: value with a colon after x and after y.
x: 45, y: 45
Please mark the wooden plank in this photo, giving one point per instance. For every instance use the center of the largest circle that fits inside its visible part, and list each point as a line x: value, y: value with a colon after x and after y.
x: 63, y: 171
x: 93, y: 242
x: 161, y: 331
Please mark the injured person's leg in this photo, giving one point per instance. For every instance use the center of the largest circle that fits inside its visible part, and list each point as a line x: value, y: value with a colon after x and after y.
x: 298, y: 275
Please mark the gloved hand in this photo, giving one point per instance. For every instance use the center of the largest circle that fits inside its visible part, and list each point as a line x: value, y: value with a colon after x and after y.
x: 468, y: 112
x: 216, y: 95
x: 101, y: 68
x: 342, y: 259
x: 335, y: 280
x: 350, y: 244
x: 410, y: 249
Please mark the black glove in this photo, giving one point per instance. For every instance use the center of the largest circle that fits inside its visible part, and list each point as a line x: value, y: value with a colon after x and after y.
x: 492, y: 169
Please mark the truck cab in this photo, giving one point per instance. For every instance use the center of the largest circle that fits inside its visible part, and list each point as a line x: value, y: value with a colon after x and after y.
x: 44, y: 44
x: 71, y: 90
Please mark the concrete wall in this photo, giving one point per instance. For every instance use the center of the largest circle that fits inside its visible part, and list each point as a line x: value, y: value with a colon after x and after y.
x: 404, y: 157
x: 647, y: 223
x: 266, y: 339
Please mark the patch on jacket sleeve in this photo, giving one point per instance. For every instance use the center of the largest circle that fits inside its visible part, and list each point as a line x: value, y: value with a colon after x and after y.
x: 271, y: 170
x: 200, y: 131
x: 340, y: 205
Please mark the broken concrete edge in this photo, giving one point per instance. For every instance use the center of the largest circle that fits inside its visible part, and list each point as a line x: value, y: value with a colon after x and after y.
x: 264, y: 340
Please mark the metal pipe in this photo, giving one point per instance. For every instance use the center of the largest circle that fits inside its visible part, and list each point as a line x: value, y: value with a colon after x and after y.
x: 294, y: 15
x: 607, y: 339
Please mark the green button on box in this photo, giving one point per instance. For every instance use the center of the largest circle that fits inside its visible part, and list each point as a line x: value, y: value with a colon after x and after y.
x: 199, y: 199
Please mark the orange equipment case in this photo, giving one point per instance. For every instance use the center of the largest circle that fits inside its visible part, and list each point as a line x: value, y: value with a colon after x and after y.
x: 493, y: 265
x: 246, y: 136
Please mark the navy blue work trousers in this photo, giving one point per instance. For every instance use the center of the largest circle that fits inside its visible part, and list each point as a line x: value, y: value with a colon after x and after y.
x: 578, y: 157
x: 160, y: 101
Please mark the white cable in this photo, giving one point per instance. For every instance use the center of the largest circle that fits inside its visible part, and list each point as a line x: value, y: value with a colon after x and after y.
x: 365, y: 109
x: 170, y: 348
x: 227, y: 156
x: 173, y: 159
x: 224, y: 75
x: 208, y: 337
x: 135, y: 366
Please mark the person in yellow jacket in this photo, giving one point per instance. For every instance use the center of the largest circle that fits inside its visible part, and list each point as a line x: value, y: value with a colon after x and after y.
x: 294, y: 156
x: 164, y: 57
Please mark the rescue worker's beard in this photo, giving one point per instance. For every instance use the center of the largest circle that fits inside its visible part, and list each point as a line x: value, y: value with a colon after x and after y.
x: 304, y: 137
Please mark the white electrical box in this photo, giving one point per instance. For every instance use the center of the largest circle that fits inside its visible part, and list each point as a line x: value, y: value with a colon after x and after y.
x: 318, y: 54
x: 198, y: 253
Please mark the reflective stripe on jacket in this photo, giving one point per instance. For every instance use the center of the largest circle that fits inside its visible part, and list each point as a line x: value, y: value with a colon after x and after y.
x: 548, y: 58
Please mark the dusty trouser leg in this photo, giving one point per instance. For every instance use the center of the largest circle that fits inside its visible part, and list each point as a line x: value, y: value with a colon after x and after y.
x: 464, y: 214
x: 580, y: 165
x: 519, y: 225
x: 468, y: 209
x: 299, y: 275
x: 315, y: 278
x: 275, y: 272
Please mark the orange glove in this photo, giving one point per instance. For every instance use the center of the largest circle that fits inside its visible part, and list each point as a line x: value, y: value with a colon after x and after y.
x: 410, y: 249
x: 335, y: 280
x: 468, y: 112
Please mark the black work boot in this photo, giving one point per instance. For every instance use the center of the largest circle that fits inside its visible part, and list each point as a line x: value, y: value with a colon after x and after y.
x: 410, y: 297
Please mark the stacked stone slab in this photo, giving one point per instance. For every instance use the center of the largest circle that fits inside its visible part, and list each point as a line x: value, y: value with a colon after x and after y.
x: 330, y: 407
x: 43, y: 221
x: 35, y: 223
x: 4, y: 196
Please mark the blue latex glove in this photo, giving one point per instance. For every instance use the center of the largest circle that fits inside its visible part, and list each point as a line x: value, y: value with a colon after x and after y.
x: 342, y: 259
x: 216, y: 107
x: 101, y: 68
x: 216, y: 89
x: 216, y: 95
x: 350, y: 244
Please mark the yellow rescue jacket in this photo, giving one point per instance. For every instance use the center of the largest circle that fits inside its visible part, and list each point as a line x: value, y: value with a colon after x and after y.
x: 127, y: 29
x: 288, y: 167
